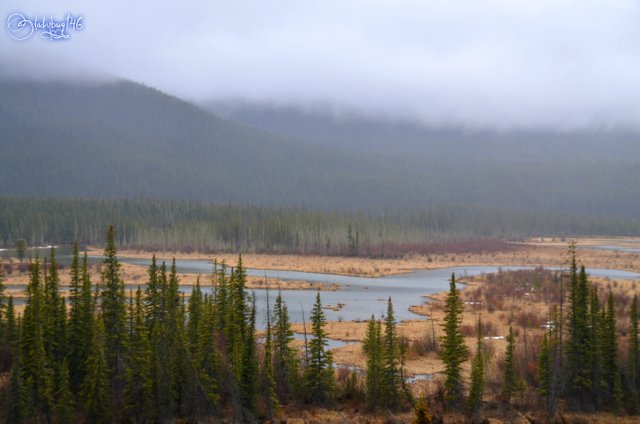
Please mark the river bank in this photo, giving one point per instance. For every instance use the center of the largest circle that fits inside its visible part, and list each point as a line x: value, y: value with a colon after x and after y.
x: 544, y: 252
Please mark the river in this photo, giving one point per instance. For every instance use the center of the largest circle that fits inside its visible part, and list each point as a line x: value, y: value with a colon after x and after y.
x: 362, y: 297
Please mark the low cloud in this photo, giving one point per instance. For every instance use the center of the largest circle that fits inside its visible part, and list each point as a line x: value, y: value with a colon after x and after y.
x: 478, y: 63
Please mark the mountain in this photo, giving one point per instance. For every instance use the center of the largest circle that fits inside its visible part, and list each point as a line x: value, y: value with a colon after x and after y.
x: 584, y: 171
x: 123, y: 140
x: 386, y: 135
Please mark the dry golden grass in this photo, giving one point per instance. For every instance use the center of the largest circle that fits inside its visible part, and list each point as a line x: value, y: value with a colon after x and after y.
x: 306, y: 414
x: 532, y: 253
x: 545, y: 252
x: 535, y: 253
x: 136, y: 274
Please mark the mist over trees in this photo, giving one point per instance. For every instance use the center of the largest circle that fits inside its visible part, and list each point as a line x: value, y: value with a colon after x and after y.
x: 124, y: 140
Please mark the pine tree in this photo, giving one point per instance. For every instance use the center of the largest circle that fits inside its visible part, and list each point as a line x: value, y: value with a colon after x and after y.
x: 477, y: 373
x: 152, y: 297
x: 249, y: 376
x: 390, y: 374
x: 87, y: 307
x: 139, y: 387
x: 580, y: 344
x: 549, y: 373
x: 545, y: 370
x: 114, y: 314
x: 74, y: 309
x: 319, y: 379
x: 80, y: 319
x: 510, y: 378
x: 596, y: 320
x: 177, y: 349
x: 64, y: 410
x: 284, y: 356
x: 268, y: 375
x: 634, y: 357
x: 221, y: 300
x: 161, y: 353
x: 195, y: 316
x: 95, y: 389
x: 610, y: 356
x: 207, y: 360
x: 236, y: 322
x: 207, y: 357
x: 18, y: 398
x: 54, y: 317
x: 453, y: 350
x: 11, y: 329
x: 36, y: 376
x: 372, y: 347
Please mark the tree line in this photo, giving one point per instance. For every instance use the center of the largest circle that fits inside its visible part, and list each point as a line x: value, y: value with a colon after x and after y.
x: 190, y: 226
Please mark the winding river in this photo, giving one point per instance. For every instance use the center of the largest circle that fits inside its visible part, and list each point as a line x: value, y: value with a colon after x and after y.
x: 362, y: 297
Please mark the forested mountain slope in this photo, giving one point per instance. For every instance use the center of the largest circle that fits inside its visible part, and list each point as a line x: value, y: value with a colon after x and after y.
x: 122, y: 139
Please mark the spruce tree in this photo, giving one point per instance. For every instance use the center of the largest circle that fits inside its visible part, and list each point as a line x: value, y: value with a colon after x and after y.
x: 453, y: 351
x: 580, y: 344
x: 221, y: 299
x: 79, y: 321
x: 95, y: 390
x: 36, y: 376
x: 152, y: 297
x: 54, y: 317
x: 319, y: 379
x: 207, y: 360
x: 177, y: 341
x: 372, y: 347
x: 510, y: 378
x: 610, y: 356
x: 64, y: 409
x: 390, y: 374
x: 249, y: 376
x: 545, y: 370
x: 114, y: 314
x: 11, y: 329
x: 195, y: 316
x: 161, y: 353
x: 597, y: 329
x: 139, y: 386
x: 477, y: 373
x: 18, y: 397
x: 284, y: 356
x: 268, y: 375
x: 634, y: 357
x: 236, y: 321
x: 549, y: 373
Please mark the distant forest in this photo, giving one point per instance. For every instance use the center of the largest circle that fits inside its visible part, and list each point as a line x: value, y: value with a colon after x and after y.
x: 124, y: 140
x: 192, y: 226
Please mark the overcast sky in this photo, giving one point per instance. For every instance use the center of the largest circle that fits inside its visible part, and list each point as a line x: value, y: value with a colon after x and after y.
x: 482, y: 63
